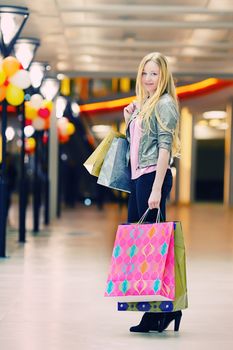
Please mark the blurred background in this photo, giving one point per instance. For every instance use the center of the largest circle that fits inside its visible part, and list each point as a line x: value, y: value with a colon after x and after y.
x: 67, y: 70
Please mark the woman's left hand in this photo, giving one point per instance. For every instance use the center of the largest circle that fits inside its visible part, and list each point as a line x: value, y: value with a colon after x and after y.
x: 154, y: 199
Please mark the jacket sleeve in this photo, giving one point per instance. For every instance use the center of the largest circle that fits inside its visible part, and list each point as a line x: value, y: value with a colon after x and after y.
x: 168, y: 115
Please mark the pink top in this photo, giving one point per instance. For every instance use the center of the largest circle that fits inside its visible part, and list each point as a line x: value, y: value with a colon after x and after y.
x: 135, y: 136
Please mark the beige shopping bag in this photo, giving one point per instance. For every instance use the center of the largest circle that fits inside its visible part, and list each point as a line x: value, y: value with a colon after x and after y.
x: 94, y: 163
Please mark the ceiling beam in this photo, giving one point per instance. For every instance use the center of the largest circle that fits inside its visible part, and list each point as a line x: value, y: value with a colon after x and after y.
x: 124, y: 64
x: 109, y: 73
x: 150, y: 24
x: 132, y: 43
x: 125, y: 9
x: 138, y: 54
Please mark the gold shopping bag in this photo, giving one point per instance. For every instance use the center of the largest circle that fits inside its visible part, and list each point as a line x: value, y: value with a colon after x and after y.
x: 94, y: 163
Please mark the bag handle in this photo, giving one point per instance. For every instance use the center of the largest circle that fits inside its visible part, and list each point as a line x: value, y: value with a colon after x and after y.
x: 159, y: 214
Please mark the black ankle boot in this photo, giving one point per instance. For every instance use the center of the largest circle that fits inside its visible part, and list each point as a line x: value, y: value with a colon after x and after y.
x: 168, y: 318
x: 150, y: 322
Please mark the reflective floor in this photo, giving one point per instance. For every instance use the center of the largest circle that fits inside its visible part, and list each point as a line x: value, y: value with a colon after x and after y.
x: 51, y: 288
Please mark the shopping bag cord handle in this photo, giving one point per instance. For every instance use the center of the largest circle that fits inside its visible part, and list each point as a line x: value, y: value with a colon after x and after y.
x: 159, y: 215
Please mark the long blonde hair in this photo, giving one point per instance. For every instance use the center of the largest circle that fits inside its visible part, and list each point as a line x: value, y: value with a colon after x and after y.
x: 165, y: 85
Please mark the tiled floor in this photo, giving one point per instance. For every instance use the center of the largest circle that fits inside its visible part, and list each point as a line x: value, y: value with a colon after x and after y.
x: 51, y: 288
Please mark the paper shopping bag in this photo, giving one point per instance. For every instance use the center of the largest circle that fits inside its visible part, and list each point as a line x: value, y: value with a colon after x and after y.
x: 115, y: 173
x: 94, y: 163
x: 142, y: 264
x: 181, y: 297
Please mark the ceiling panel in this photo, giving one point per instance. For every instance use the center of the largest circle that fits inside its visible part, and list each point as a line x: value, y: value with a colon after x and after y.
x: 103, y: 37
x: 75, y: 3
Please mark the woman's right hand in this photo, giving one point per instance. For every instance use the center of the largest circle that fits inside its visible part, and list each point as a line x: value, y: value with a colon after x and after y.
x: 128, y: 110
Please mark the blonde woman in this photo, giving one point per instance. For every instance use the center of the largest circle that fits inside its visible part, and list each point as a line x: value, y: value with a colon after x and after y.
x: 152, y: 131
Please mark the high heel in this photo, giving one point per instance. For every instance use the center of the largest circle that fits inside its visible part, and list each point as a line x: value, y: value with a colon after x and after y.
x: 168, y: 318
x: 143, y: 326
x: 177, y: 322
x: 150, y: 322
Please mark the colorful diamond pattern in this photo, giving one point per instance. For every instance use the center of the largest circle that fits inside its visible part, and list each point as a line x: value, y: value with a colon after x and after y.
x: 142, y: 261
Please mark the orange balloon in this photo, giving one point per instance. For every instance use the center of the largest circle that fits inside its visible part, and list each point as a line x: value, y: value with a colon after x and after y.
x: 2, y: 92
x: 63, y: 138
x: 47, y: 124
x: 10, y: 65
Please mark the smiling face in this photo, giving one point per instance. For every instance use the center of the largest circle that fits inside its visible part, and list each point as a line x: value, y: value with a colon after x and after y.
x: 150, y: 77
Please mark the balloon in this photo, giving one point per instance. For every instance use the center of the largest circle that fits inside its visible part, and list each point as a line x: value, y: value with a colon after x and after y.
x: 38, y: 123
x: 63, y: 130
x: 14, y: 95
x: 45, y: 138
x: 47, y: 104
x: 28, y: 122
x: 31, y: 142
x: 47, y: 124
x: 2, y: 77
x: 44, y: 113
x: 62, y: 125
x: 2, y: 93
x: 63, y: 138
x: 10, y: 65
x: 21, y: 79
x: 30, y: 112
x: 36, y: 101
x: 70, y: 128
x: 62, y: 121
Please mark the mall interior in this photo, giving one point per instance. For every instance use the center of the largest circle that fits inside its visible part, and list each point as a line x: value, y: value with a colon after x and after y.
x: 67, y: 70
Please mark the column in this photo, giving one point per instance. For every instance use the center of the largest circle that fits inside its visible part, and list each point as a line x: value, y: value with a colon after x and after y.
x: 185, y: 164
x: 228, y: 166
x: 53, y: 164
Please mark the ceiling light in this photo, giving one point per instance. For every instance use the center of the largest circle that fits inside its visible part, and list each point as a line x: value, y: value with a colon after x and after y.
x: 12, y: 20
x: 222, y: 126
x: 101, y: 128
x: 49, y: 88
x: 101, y: 131
x: 37, y: 71
x: 61, y: 103
x: 86, y: 58
x: 203, y: 122
x: 61, y: 76
x: 214, y: 122
x: 25, y: 50
x: 75, y: 109
x: 10, y: 133
x: 215, y: 115
x: 29, y: 130
x: 62, y: 65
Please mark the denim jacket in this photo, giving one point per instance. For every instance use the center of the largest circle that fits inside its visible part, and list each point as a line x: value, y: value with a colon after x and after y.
x: 154, y: 139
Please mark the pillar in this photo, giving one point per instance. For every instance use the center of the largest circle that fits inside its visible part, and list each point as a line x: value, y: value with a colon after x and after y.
x: 185, y: 164
x: 228, y: 166
x: 53, y: 164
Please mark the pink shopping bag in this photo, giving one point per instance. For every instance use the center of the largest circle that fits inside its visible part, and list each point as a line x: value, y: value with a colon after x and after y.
x: 142, y: 263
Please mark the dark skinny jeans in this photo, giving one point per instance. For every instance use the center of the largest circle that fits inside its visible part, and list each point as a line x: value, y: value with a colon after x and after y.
x: 140, y: 193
